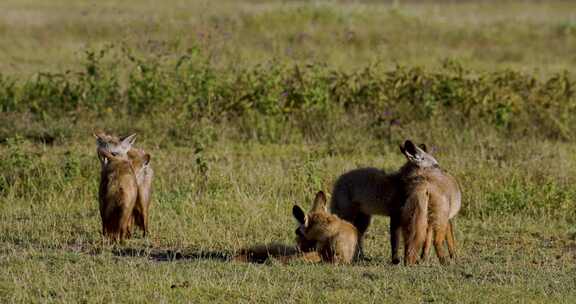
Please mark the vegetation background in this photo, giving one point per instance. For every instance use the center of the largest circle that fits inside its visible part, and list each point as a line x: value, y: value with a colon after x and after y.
x: 248, y: 107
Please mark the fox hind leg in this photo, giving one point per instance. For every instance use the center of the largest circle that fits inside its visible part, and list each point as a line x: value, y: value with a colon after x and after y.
x: 427, y: 244
x: 451, y: 241
x: 440, y: 231
x: 415, y: 225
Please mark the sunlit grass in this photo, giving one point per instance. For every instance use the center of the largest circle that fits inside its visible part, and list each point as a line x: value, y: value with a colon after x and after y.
x: 240, y: 134
x: 529, y: 36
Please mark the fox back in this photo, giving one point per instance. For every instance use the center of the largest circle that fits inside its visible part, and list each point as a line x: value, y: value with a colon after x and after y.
x: 367, y: 190
x: 361, y: 193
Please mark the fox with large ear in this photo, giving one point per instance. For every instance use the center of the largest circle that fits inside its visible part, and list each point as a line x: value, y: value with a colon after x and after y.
x: 362, y: 193
x: 433, y: 198
x: 141, y: 163
x: 117, y: 195
x: 114, y: 145
x: 418, y: 156
x: 305, y: 250
x: 336, y: 240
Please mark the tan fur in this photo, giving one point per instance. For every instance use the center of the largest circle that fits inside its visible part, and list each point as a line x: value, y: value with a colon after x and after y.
x: 117, y: 195
x: 143, y: 171
x: 144, y: 174
x: 336, y: 239
x: 433, y: 199
x: 361, y: 193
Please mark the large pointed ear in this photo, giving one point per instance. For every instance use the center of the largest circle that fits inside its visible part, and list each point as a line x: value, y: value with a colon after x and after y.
x: 128, y: 141
x: 299, y: 214
x: 409, y: 149
x: 319, y: 202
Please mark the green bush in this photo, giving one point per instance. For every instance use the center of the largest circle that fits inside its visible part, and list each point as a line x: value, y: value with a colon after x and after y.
x: 192, y: 87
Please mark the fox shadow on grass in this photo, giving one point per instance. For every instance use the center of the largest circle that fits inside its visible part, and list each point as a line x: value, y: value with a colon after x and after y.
x: 169, y: 255
x: 258, y: 254
x: 246, y: 255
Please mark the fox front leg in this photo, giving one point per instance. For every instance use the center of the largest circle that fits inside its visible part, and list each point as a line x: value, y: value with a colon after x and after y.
x: 395, y: 233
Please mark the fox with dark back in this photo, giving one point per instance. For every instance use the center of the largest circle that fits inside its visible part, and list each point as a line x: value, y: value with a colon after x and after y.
x: 361, y: 193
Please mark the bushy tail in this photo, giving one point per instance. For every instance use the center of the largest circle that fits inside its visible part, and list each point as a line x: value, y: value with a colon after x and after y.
x: 416, y: 223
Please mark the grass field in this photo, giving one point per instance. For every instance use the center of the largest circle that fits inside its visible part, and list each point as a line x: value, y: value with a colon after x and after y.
x: 249, y: 107
x: 534, y: 36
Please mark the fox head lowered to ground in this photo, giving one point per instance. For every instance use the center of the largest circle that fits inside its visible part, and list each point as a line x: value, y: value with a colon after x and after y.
x: 313, y: 225
x: 335, y: 240
x: 305, y: 250
x: 303, y: 243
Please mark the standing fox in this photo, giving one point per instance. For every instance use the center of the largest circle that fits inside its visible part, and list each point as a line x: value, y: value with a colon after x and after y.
x: 336, y: 239
x: 141, y: 162
x: 361, y: 193
x: 117, y: 195
x: 433, y: 198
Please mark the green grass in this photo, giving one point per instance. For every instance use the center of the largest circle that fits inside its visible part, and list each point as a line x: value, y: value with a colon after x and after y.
x: 515, y: 232
x: 533, y: 36
x: 249, y: 107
